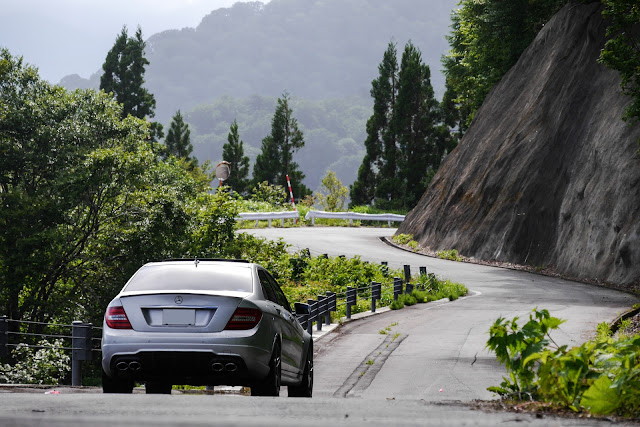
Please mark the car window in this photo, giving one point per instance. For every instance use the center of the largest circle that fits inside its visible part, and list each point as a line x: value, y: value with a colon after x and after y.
x: 267, y: 286
x: 280, y: 296
x: 189, y: 276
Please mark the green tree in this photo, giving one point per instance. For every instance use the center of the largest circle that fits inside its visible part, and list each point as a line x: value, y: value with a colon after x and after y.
x: 415, y: 118
x: 336, y: 193
x: 622, y: 50
x: 275, y: 161
x: 84, y: 200
x: 233, y: 152
x: 124, y: 69
x: 406, y: 136
x: 487, y: 38
x: 178, y: 140
x: 379, y: 163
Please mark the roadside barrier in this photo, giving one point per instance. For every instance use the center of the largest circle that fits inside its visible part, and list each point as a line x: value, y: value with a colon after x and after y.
x: 312, y: 215
x: 81, y: 342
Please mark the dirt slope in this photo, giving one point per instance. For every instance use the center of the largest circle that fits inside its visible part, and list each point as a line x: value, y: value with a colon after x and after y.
x: 547, y: 175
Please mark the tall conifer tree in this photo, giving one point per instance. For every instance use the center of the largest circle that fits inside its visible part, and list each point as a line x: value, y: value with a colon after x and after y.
x: 233, y: 152
x: 124, y: 69
x: 275, y: 161
x: 406, y: 140
x: 178, y: 140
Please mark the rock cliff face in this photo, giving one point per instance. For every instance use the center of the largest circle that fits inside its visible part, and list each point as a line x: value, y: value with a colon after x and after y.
x: 547, y: 174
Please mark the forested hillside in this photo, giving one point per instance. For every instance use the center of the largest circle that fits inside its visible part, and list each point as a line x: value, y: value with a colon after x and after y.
x: 324, y: 53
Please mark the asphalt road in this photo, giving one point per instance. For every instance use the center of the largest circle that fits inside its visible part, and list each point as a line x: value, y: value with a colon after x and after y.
x: 442, y: 357
x: 427, y: 375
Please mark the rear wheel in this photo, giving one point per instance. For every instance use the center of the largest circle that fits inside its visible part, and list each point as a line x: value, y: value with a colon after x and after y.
x: 116, y: 385
x: 305, y: 389
x: 157, y: 387
x: 271, y: 385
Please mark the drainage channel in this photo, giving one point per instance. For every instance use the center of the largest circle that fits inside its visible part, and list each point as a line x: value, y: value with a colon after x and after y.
x: 364, y: 374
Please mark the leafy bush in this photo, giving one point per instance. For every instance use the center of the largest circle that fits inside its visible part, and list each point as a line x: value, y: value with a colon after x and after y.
x: 397, y: 304
x: 272, y: 194
x: 46, y: 365
x: 601, y: 376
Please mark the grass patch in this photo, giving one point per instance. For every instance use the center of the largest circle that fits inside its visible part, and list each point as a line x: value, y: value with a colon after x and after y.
x: 451, y: 255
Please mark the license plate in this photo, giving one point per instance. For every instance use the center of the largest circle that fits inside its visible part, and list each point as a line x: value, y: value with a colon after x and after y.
x: 182, y: 316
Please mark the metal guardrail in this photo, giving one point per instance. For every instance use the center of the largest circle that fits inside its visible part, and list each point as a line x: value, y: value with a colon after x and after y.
x: 270, y: 216
x: 312, y: 215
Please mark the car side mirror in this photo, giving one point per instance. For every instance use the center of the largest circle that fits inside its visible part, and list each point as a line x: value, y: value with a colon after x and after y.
x: 302, y: 308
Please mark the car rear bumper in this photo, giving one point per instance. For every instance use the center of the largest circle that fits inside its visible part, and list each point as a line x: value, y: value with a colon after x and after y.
x: 201, y: 361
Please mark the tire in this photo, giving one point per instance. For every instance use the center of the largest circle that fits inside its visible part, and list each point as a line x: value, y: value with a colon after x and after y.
x: 115, y: 385
x: 157, y: 387
x: 305, y: 389
x: 270, y: 386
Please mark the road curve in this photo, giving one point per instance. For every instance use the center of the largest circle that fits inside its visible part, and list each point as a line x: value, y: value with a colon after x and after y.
x: 442, y: 356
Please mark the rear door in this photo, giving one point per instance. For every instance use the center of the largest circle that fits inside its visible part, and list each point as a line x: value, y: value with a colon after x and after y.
x: 292, y: 338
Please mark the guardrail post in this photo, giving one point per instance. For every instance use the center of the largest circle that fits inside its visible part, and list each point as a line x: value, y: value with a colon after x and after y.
x: 332, y: 304
x: 4, y: 336
x: 397, y: 288
x: 81, y: 343
x: 312, y: 315
x: 407, y: 273
x: 423, y: 271
x: 408, y: 289
x: 376, y: 294
x: 321, y: 310
x: 351, y: 300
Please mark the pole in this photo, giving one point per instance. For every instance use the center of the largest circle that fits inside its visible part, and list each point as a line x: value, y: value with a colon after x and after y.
x: 293, y: 203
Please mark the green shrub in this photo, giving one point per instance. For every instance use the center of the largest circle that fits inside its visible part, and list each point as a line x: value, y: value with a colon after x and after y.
x: 601, y: 377
x: 451, y: 255
x: 402, y: 239
x: 410, y: 300
x: 397, y: 304
x: 47, y: 365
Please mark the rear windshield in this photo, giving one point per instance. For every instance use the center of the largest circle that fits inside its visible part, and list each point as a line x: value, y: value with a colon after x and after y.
x: 204, y: 277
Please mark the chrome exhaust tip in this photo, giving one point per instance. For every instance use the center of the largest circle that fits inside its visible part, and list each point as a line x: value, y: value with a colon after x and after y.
x: 122, y: 366
x: 217, y: 367
x: 135, y: 366
x: 230, y: 367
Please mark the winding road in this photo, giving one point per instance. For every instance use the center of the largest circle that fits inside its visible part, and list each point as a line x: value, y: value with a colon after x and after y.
x: 423, y: 372
x: 442, y: 356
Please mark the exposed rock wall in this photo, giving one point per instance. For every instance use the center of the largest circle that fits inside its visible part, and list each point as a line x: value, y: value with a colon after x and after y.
x: 547, y: 174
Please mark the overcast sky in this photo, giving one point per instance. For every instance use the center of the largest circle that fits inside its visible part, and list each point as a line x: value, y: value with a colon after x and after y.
x: 63, y: 37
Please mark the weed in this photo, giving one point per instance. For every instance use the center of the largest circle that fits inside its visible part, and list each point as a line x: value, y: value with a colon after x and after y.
x: 451, y: 255
x: 402, y: 239
x: 603, y: 331
x: 396, y: 335
x: 382, y: 332
x: 370, y: 362
x: 600, y: 377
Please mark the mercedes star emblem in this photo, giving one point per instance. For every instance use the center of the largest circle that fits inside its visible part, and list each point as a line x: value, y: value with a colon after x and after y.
x: 178, y: 299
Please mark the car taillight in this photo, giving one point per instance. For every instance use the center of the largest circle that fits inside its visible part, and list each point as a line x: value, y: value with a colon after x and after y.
x: 116, y: 318
x: 244, y: 318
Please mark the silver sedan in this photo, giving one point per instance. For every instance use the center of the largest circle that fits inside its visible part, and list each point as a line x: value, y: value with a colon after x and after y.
x: 205, y: 322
